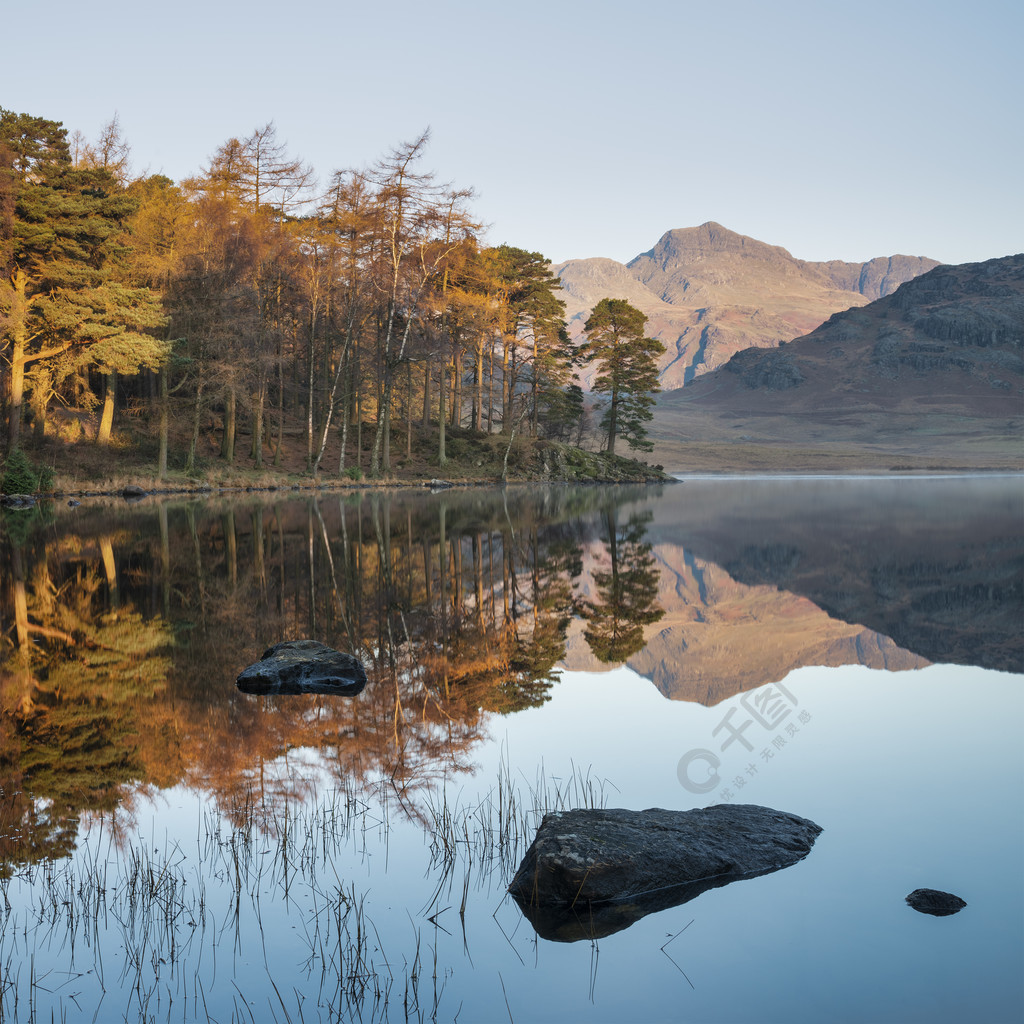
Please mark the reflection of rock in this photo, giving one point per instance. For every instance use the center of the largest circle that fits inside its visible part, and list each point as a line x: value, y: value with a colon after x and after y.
x: 592, y: 872
x: 17, y: 501
x: 935, y: 902
x: 303, y: 666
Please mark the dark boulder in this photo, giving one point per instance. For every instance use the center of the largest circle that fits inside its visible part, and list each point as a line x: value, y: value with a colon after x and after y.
x: 935, y: 902
x: 303, y: 666
x: 592, y: 872
x: 132, y: 492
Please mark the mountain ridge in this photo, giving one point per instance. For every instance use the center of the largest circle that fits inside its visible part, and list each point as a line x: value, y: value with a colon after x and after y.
x: 709, y: 292
x: 935, y: 367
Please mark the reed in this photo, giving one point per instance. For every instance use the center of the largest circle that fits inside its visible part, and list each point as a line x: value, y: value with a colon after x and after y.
x: 160, y: 930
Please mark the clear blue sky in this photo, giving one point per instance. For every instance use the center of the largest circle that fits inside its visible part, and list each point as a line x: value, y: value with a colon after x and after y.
x: 836, y: 130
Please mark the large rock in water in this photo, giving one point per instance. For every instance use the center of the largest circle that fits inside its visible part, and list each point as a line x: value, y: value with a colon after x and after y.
x: 303, y: 666
x: 592, y: 872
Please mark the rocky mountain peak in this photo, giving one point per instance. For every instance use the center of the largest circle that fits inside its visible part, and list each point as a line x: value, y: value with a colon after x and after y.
x: 710, y: 292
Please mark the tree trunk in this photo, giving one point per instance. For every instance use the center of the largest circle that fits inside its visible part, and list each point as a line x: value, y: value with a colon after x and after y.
x: 613, y: 413
x: 161, y: 467
x: 442, y: 457
x: 227, y: 445
x: 107, y: 419
x: 37, y: 404
x: 490, y: 388
x: 19, y: 342
x: 310, y: 382
x: 386, y: 460
x: 478, y: 397
x: 197, y: 411
x: 426, y: 394
x: 456, y: 402
x: 533, y: 415
x: 408, y: 411
x: 506, y: 391
x: 256, y: 451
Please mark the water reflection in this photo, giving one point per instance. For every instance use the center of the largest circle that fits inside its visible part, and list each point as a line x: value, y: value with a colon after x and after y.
x: 124, y: 628
x: 592, y: 921
x: 936, y: 565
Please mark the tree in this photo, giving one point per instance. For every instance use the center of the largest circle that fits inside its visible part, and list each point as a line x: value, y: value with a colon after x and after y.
x: 64, y: 296
x: 532, y: 324
x: 420, y: 224
x: 629, y: 370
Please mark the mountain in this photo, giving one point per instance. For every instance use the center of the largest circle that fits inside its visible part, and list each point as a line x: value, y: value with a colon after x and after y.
x: 709, y: 293
x: 936, y: 366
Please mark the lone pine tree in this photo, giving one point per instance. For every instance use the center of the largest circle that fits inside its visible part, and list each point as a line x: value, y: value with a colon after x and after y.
x: 628, y: 373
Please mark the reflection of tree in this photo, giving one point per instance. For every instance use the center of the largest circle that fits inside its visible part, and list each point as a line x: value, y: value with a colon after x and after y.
x: 73, y: 685
x: 615, y: 629
x: 132, y: 624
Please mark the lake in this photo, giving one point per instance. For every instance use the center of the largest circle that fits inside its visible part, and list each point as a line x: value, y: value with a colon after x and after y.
x: 173, y: 849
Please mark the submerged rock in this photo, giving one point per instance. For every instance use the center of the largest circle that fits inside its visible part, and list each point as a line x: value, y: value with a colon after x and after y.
x: 303, y: 666
x: 935, y: 902
x: 592, y: 872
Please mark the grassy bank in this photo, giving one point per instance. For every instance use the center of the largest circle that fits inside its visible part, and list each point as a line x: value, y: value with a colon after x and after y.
x: 85, y: 467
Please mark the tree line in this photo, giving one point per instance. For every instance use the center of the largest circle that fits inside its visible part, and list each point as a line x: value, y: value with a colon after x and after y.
x: 247, y: 300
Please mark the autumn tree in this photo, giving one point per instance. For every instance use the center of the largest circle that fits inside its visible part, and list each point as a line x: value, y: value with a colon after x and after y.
x: 345, y: 222
x: 159, y: 228
x: 420, y: 222
x: 251, y: 189
x: 628, y: 372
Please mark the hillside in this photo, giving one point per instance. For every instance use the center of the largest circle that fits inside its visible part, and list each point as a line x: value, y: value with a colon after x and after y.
x: 936, y: 368
x: 709, y: 293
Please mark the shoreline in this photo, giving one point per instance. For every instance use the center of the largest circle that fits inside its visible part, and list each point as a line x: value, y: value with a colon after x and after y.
x: 136, y: 493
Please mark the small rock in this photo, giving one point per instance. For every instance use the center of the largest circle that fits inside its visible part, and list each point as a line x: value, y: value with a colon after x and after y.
x: 133, y: 491
x: 935, y: 902
x: 303, y: 666
x: 72, y: 503
x: 439, y: 485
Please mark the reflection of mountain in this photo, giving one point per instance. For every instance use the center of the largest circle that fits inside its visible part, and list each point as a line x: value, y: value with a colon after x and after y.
x: 935, y: 564
x: 720, y: 637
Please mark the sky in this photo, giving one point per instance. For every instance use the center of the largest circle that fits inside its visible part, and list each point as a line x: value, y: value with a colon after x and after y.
x: 585, y: 127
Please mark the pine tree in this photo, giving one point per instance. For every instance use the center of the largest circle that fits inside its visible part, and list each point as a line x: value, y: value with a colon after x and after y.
x: 629, y: 370
x: 65, y: 296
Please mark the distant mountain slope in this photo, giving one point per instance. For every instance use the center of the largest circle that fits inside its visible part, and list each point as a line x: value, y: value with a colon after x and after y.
x: 709, y: 293
x: 943, y: 356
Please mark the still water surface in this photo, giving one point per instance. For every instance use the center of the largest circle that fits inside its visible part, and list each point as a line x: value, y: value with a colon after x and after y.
x: 171, y: 849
